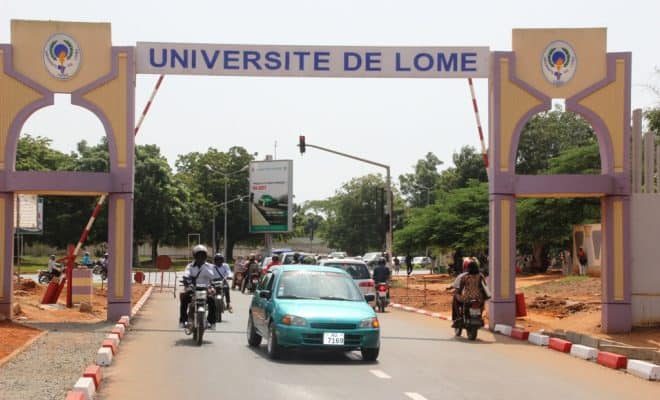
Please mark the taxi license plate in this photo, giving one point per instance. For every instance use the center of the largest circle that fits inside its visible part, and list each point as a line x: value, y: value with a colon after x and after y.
x: 333, y: 339
x: 475, y: 312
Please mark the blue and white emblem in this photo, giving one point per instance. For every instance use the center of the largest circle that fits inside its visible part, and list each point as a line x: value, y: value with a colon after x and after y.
x: 559, y: 62
x: 62, y: 56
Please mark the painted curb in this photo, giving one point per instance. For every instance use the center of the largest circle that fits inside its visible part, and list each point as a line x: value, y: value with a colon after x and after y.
x: 584, y: 352
x: 419, y: 311
x: 19, y: 350
x: 141, y: 302
x: 644, y: 370
x: 503, y: 329
x: 539, y: 339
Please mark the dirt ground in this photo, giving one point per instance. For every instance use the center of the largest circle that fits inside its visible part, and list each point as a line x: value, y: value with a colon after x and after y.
x: 28, y: 294
x: 552, y: 302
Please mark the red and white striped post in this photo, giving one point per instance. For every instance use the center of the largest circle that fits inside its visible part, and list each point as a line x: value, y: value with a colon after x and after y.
x: 72, y: 254
x: 484, y: 152
x: 146, y: 108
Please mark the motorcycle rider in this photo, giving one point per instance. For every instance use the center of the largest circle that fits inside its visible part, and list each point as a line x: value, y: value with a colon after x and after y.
x: 275, y: 260
x: 382, y: 274
x: 203, y: 273
x: 86, y: 260
x: 222, y: 269
x: 468, y: 287
x: 252, y: 267
x: 53, y: 266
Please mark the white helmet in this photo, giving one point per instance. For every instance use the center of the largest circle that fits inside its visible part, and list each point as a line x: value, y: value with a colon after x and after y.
x: 199, y: 249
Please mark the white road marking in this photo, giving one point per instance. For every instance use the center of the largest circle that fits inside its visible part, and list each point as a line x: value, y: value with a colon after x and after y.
x: 415, y: 396
x: 380, y: 374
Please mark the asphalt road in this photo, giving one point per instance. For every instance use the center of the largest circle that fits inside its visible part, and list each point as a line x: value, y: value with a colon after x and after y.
x: 419, y: 359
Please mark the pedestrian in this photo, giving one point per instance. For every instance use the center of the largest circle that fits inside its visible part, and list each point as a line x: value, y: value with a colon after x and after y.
x: 397, y: 265
x: 409, y: 265
x: 583, y: 260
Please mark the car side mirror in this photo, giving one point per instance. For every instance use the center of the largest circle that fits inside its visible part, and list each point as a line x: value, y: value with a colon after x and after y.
x: 370, y: 297
x: 264, y: 294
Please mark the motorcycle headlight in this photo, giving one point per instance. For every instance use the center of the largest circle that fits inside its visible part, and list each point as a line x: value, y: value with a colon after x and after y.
x: 200, y: 294
x: 370, y: 323
x: 294, y: 320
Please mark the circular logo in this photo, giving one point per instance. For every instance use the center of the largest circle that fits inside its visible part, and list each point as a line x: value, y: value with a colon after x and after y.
x: 62, y: 56
x: 559, y: 62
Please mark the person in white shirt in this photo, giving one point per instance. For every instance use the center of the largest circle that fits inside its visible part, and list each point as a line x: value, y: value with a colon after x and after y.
x: 53, y: 266
x: 201, y: 273
x: 222, y: 268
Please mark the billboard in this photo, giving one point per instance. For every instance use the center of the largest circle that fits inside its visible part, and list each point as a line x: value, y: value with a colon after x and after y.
x: 271, y: 196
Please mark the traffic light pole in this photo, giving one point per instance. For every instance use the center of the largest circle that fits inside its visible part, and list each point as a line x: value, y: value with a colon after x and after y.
x: 388, y: 188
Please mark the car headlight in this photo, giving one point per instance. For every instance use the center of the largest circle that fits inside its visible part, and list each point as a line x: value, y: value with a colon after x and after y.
x: 294, y: 320
x: 370, y: 323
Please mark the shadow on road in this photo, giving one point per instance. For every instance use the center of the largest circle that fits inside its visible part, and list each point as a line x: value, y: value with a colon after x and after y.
x: 313, y: 357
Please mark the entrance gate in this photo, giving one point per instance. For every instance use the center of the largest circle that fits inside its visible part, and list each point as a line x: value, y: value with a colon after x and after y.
x: 47, y: 57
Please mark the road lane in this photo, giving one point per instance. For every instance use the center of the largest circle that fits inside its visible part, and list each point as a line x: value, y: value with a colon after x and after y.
x: 419, y: 354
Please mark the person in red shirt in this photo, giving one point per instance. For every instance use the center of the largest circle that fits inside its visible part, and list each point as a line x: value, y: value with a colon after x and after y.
x: 274, y: 261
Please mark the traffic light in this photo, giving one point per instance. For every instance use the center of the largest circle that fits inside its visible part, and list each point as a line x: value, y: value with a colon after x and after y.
x: 301, y: 144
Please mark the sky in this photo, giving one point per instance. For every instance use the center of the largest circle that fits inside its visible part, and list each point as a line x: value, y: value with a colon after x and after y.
x: 390, y: 121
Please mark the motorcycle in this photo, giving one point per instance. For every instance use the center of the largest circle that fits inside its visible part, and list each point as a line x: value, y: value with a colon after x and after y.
x: 197, y: 311
x: 470, y: 319
x: 250, y: 283
x: 46, y: 276
x: 238, y: 280
x: 381, y: 296
x: 219, y: 296
x: 100, y: 269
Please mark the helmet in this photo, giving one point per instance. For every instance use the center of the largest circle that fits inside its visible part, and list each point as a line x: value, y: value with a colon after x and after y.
x: 218, y: 258
x: 380, y: 261
x: 52, y: 256
x: 105, y: 254
x: 199, y: 249
x: 469, y: 260
x: 252, y: 257
x: 86, y: 253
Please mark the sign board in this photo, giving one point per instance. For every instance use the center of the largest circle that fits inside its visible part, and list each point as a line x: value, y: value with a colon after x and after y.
x: 312, y: 61
x: 28, y: 214
x: 271, y: 196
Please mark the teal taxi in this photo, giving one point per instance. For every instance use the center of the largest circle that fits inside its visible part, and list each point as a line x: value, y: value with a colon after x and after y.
x: 312, y: 307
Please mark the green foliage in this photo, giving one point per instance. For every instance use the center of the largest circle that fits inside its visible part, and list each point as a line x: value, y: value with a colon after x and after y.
x: 653, y: 118
x: 418, y: 187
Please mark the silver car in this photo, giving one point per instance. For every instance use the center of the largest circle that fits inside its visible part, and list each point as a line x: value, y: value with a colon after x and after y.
x: 358, y: 271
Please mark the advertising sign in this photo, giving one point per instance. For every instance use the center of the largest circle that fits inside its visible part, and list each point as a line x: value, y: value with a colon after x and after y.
x: 312, y: 61
x: 271, y: 196
x: 28, y: 214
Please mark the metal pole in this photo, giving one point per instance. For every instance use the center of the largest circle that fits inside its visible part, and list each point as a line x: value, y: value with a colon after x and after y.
x: 224, y: 237
x: 213, y: 234
x: 388, y: 237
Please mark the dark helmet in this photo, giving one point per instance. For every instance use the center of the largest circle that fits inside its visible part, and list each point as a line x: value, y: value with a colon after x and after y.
x: 199, y: 249
x: 473, y: 266
x: 218, y: 258
x: 380, y: 261
x: 252, y: 257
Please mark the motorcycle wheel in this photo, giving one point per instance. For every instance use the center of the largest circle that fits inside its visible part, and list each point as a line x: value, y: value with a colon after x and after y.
x: 274, y: 349
x: 472, y: 333
x: 200, y: 328
x: 96, y: 270
x: 381, y: 306
x: 43, y: 279
x: 243, y: 286
x: 104, y: 276
x: 220, y: 308
x: 458, y: 331
x: 253, y: 338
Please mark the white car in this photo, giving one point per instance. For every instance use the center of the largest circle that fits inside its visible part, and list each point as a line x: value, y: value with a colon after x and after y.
x: 338, y: 254
x: 423, y: 261
x: 358, y: 271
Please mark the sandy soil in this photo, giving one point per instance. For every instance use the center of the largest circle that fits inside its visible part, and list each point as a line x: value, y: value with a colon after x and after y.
x: 28, y: 296
x: 552, y: 303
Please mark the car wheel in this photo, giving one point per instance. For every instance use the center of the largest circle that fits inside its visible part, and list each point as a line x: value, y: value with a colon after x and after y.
x: 370, y: 354
x: 253, y: 338
x: 274, y: 349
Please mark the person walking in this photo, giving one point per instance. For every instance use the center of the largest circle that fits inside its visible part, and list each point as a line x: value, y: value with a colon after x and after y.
x: 583, y: 260
x: 409, y: 265
x: 397, y: 265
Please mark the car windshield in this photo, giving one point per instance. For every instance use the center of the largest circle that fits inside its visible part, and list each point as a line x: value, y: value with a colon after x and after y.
x: 315, y: 285
x: 356, y: 271
x: 369, y: 256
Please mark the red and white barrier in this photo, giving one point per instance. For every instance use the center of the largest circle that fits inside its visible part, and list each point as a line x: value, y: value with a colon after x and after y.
x: 584, y: 352
x: 539, y: 339
x: 644, y: 370
x: 484, y: 152
x: 85, y: 386
x: 503, y: 329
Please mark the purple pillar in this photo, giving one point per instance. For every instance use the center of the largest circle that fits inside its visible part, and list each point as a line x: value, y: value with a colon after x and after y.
x: 6, y: 253
x: 120, y: 241
x: 502, y: 259
x: 616, y: 315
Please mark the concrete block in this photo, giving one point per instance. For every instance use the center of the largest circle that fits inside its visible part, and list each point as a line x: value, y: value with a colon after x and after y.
x: 644, y: 370
x: 86, y: 386
x: 584, y: 352
x: 560, y: 345
x: 125, y: 320
x: 111, y: 345
x: 590, y: 341
x: 503, y: 329
x: 119, y: 329
x: 573, y: 337
x: 94, y: 372
x: 75, y: 396
x: 104, y: 356
x: 539, y: 339
x: 612, y: 360
x: 519, y: 334
x: 114, y: 337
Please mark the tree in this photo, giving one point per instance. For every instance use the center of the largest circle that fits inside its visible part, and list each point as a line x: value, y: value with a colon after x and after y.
x: 206, y: 186
x: 468, y: 164
x: 417, y: 188
x: 354, y: 216
x: 160, y: 203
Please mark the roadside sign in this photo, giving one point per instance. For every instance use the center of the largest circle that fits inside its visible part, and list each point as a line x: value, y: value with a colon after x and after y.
x: 271, y: 202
